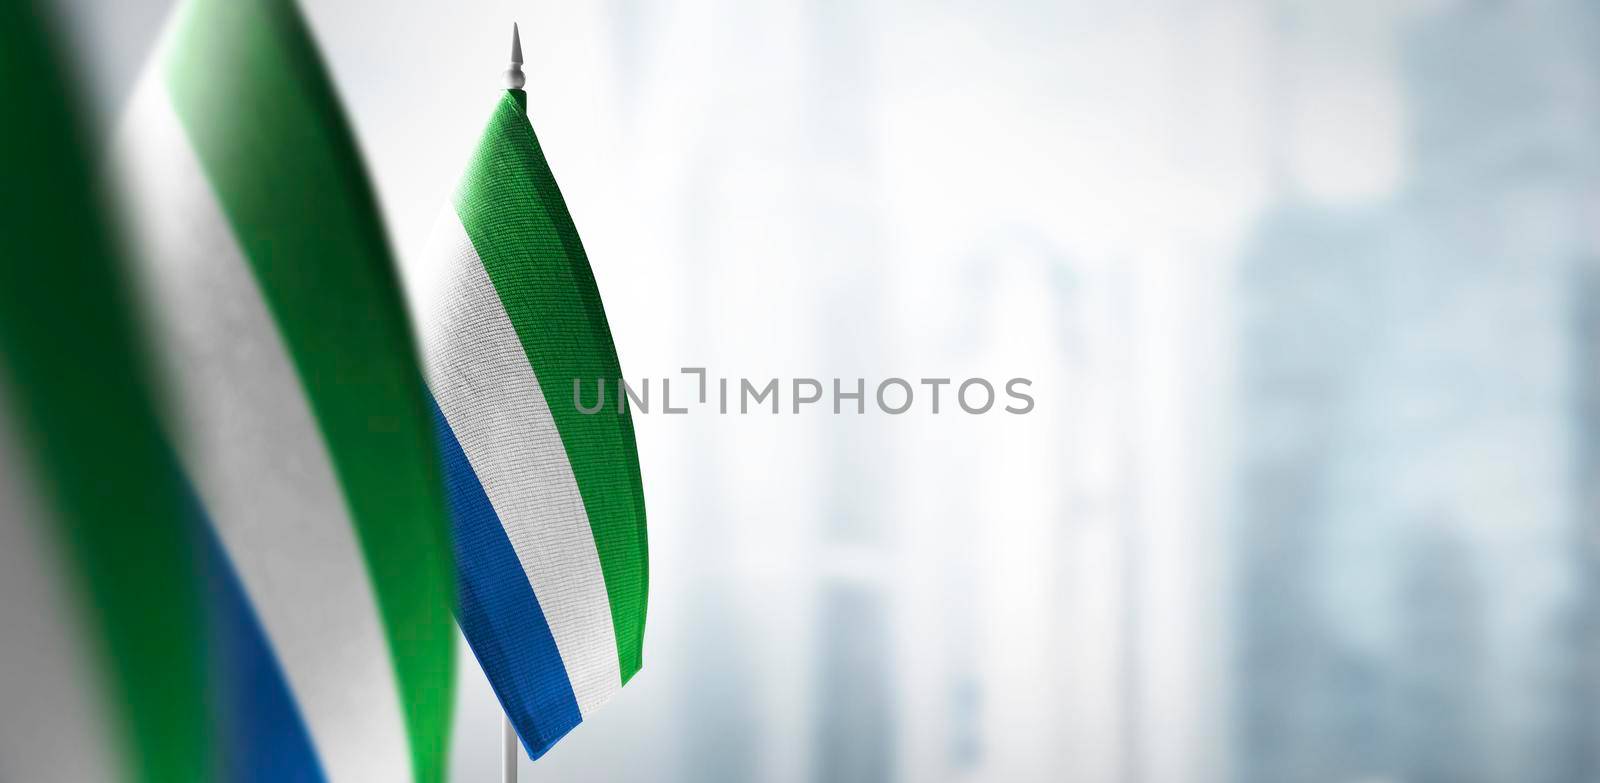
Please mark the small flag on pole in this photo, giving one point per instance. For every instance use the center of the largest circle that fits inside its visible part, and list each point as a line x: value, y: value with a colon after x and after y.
x: 294, y: 401
x: 546, y: 500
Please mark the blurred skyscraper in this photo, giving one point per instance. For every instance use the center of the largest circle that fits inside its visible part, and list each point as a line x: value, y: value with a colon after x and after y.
x: 1305, y: 691
x: 1033, y: 674
x: 854, y: 720
x: 1414, y: 459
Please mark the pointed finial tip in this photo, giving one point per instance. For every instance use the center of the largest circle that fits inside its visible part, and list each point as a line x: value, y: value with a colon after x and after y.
x: 514, y: 77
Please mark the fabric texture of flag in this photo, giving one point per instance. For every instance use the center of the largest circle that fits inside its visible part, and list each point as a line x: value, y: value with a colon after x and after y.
x: 294, y: 401
x: 546, y: 501
x: 101, y: 628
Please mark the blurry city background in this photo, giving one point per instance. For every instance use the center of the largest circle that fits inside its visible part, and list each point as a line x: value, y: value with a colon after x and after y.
x: 1310, y: 294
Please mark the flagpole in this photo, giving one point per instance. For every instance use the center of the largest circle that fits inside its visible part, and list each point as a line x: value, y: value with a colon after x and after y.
x: 508, y: 750
x: 514, y: 77
x: 508, y: 733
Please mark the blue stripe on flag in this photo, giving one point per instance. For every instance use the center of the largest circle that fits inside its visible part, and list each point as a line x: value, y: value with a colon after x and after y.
x: 499, y: 613
x: 261, y: 734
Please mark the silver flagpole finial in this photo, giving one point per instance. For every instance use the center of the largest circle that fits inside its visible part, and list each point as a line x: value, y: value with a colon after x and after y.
x: 514, y: 77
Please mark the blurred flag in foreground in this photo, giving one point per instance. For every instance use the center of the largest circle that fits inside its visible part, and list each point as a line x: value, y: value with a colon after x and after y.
x: 294, y: 401
x: 101, y: 675
x: 548, y: 510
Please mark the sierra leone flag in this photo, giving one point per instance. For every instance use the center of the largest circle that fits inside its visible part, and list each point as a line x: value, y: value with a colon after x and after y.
x: 101, y: 669
x: 294, y: 400
x: 546, y: 501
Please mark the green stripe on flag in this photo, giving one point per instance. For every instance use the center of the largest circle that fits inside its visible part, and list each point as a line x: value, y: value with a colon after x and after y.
x: 519, y: 224
x: 251, y: 92
x: 74, y: 374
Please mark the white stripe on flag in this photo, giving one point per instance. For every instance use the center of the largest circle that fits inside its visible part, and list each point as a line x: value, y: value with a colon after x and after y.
x: 487, y: 391
x: 249, y: 442
x: 55, y: 706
